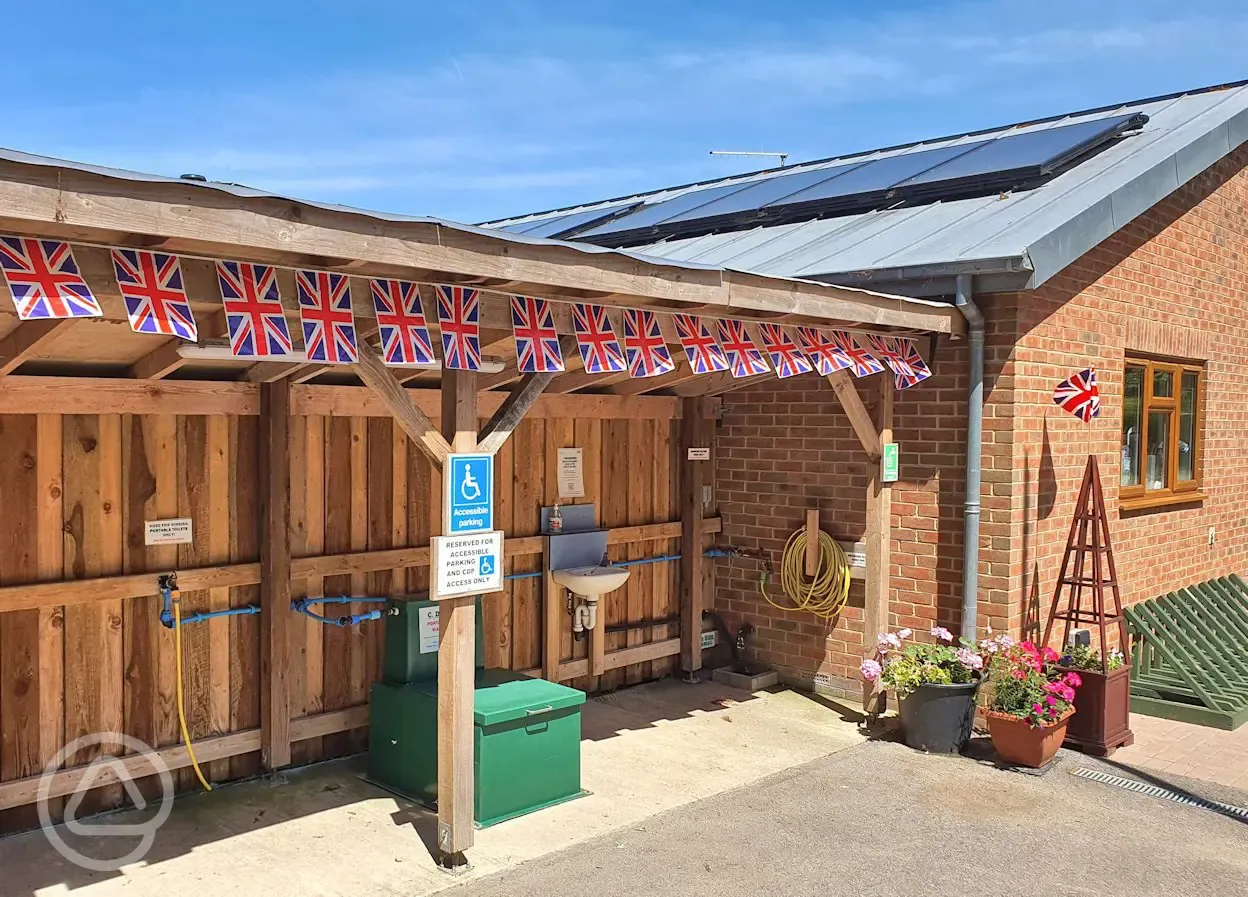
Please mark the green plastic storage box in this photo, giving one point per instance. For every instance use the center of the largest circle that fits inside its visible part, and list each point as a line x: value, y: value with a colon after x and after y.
x: 402, y: 660
x: 526, y: 748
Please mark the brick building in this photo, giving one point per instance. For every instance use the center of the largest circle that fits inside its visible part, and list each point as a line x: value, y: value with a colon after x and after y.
x: 1130, y: 256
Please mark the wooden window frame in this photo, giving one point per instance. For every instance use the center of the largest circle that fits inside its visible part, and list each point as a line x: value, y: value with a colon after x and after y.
x: 1132, y: 498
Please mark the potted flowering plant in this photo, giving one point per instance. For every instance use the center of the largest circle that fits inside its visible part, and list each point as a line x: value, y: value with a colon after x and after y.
x: 1028, y: 700
x: 1102, y: 723
x: 935, y: 684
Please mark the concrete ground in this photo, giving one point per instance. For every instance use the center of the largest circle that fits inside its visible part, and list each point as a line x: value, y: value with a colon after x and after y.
x: 882, y: 820
x: 323, y: 832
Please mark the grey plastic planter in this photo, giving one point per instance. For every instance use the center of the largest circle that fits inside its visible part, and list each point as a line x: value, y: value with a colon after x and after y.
x: 938, y: 718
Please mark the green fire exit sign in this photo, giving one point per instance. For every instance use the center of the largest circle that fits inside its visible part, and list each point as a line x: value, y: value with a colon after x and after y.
x: 888, y: 462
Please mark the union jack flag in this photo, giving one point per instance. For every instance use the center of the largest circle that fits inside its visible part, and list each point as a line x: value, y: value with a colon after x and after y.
x: 44, y: 280
x: 595, y: 337
x: 826, y: 355
x: 328, y: 322
x: 902, y: 358
x: 644, y: 345
x: 786, y: 357
x: 537, y: 341
x: 459, y: 315
x: 861, y: 362
x: 1080, y: 395
x: 744, y: 359
x: 151, y: 283
x: 704, y: 354
x: 401, y: 321
x: 253, y: 310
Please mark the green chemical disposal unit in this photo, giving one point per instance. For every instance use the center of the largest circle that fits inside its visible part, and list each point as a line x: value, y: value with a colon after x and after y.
x: 527, y: 739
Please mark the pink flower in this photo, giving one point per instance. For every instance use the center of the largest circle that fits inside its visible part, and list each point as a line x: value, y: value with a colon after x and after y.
x: 942, y: 633
x: 1049, y: 655
x: 1029, y: 647
x: 904, y: 633
x: 1037, y: 708
x: 970, y: 659
x: 888, y: 640
x: 1051, y: 701
x: 1072, y: 679
x: 870, y: 670
x: 1018, y: 674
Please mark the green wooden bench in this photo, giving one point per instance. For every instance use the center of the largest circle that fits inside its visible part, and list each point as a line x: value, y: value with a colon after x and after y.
x: 1190, y: 654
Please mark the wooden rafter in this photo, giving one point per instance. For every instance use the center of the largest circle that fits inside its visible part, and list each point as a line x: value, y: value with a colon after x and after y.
x: 508, y: 416
x: 415, y: 423
x: 856, y: 411
x: 167, y: 357
x: 26, y: 340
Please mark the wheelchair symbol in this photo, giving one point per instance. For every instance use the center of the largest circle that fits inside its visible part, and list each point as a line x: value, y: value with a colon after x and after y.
x: 485, y: 565
x: 469, y: 488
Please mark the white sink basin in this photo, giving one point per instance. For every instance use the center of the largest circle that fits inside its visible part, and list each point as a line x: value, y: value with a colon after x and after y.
x: 591, y: 581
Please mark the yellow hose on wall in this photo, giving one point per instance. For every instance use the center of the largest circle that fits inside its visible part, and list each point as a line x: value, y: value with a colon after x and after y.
x: 825, y: 594
x: 186, y: 736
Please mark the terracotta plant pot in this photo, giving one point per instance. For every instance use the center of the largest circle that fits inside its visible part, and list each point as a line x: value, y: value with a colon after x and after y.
x: 1103, y: 712
x: 1017, y: 742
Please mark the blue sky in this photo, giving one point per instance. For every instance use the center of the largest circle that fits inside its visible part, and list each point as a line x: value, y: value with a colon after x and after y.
x: 475, y: 109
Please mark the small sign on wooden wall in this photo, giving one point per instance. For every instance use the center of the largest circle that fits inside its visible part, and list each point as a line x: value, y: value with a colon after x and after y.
x: 571, y: 473
x: 168, y: 532
x: 700, y: 454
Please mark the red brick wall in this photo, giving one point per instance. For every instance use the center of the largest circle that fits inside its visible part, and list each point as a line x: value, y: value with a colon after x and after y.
x: 786, y: 446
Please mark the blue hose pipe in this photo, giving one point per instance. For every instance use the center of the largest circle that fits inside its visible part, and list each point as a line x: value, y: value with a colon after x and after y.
x: 642, y: 561
x: 166, y: 612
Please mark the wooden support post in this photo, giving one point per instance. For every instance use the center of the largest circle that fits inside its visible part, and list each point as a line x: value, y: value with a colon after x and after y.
x: 812, y: 541
x: 415, y: 424
x: 552, y: 621
x: 879, y: 542
x: 275, y: 573
x: 456, y: 656
x: 521, y: 398
x: 695, y: 432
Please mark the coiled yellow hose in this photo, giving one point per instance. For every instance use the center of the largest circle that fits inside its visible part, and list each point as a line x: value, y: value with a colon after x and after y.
x: 825, y: 594
x: 186, y: 736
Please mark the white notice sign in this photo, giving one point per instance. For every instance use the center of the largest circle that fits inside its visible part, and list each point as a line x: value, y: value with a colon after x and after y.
x: 430, y: 629
x: 467, y: 565
x: 168, y: 532
x: 571, y: 473
x: 699, y: 454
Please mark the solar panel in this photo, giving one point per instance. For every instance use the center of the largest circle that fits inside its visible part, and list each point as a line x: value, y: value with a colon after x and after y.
x: 880, y: 175
x: 1041, y: 151
x: 659, y: 212
x: 550, y: 227
x: 760, y: 193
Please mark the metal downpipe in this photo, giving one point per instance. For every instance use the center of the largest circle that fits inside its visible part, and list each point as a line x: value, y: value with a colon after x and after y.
x: 974, y: 455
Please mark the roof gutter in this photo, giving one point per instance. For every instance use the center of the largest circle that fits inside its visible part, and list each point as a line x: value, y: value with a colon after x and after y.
x: 974, y: 455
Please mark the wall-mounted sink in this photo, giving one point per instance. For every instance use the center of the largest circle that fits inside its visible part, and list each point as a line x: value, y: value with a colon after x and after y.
x: 591, y: 581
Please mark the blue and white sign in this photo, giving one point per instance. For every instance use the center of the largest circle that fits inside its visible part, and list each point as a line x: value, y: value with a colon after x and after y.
x: 469, y: 483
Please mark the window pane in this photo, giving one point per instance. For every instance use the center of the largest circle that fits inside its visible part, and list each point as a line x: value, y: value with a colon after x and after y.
x: 1132, y: 396
x: 1187, y: 428
x: 1157, y: 469
x: 1163, y: 384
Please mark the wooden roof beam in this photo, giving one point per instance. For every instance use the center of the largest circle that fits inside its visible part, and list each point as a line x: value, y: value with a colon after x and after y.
x: 73, y: 204
x: 26, y: 340
x: 856, y: 411
x: 415, y: 423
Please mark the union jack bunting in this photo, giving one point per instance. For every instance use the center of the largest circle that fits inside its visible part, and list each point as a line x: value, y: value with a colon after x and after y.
x: 744, y: 359
x: 44, y: 280
x: 328, y: 322
x: 253, y: 310
x: 459, y: 315
x: 902, y: 358
x: 861, y: 362
x: 401, y: 322
x: 537, y: 341
x: 704, y: 354
x: 151, y: 283
x: 644, y: 345
x: 1080, y: 395
x: 786, y: 357
x: 827, y: 356
x: 595, y: 337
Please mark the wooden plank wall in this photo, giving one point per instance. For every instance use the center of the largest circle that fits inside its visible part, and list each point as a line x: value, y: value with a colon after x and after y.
x: 76, y: 489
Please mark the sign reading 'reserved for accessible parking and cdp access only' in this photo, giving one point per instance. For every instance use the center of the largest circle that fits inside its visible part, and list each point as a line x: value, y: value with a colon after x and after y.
x: 469, y: 498
x: 467, y: 565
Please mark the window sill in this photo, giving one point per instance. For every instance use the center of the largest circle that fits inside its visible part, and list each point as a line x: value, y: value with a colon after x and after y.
x: 1149, y: 502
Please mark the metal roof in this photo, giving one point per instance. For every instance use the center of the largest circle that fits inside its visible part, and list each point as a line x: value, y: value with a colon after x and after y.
x: 1013, y: 241
x: 244, y: 192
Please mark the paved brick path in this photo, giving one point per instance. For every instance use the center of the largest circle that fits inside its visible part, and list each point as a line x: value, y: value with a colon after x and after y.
x: 1181, y: 749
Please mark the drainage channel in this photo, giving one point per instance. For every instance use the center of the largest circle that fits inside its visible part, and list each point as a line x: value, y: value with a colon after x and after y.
x: 1164, y: 793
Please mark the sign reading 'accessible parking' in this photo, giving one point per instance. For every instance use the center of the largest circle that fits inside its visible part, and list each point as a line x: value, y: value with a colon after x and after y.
x: 469, y: 486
